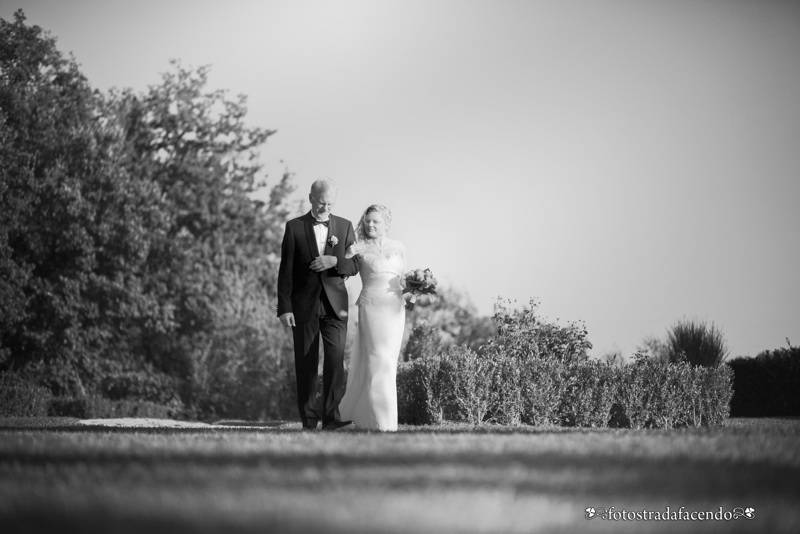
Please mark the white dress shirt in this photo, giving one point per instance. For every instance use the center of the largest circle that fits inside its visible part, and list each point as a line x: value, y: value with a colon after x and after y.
x: 321, y: 232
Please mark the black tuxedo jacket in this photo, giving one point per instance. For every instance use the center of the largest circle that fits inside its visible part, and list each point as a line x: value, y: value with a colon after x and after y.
x: 298, y: 286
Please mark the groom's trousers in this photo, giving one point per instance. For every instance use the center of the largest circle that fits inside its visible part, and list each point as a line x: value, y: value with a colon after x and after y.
x: 333, y: 332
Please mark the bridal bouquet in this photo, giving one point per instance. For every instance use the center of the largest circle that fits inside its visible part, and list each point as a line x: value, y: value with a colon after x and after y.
x: 419, y: 282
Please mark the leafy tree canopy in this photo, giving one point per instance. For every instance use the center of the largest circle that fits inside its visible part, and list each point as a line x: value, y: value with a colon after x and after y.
x: 130, y: 241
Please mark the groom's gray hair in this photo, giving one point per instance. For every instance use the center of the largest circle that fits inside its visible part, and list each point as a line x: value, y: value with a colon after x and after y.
x: 322, y: 185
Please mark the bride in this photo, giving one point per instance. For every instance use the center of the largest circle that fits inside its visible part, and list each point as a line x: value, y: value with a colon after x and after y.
x: 370, y: 398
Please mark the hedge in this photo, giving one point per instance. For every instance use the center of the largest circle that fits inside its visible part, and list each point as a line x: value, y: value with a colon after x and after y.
x: 767, y: 385
x: 21, y: 398
x: 463, y: 386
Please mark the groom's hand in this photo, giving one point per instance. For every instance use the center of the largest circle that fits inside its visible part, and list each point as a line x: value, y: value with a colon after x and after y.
x: 287, y: 319
x: 323, y: 263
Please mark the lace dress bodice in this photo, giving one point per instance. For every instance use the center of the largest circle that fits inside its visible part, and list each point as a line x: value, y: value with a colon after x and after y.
x: 381, y: 270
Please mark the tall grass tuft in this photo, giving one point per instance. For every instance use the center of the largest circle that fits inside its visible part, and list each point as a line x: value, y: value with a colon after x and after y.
x: 697, y: 343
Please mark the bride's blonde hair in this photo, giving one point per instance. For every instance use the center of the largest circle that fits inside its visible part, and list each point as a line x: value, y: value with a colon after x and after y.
x: 361, y: 235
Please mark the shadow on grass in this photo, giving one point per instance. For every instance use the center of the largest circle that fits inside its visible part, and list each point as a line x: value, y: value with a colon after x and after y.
x: 779, y: 425
x: 538, y: 471
x: 106, y: 522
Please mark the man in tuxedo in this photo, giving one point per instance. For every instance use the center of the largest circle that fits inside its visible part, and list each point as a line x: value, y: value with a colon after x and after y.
x: 312, y: 299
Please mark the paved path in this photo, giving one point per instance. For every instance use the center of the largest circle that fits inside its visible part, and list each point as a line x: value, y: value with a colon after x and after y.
x: 145, y: 422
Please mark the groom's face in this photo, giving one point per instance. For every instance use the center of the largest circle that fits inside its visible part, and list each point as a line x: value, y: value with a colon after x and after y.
x: 322, y: 203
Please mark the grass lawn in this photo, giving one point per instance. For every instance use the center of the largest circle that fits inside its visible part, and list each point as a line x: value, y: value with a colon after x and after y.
x: 56, y: 476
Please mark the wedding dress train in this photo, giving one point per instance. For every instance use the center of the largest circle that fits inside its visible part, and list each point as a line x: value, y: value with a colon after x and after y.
x: 370, y: 398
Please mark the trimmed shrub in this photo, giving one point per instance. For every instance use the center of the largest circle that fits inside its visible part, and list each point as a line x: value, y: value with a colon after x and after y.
x: 144, y: 385
x: 652, y: 393
x: 542, y: 386
x: 424, y: 391
x: 505, y: 395
x: 539, y: 374
x: 68, y: 407
x: 21, y: 398
x: 473, y: 385
x: 767, y: 385
x: 631, y: 402
x: 586, y: 394
x: 646, y: 393
x: 411, y: 395
x: 715, y: 392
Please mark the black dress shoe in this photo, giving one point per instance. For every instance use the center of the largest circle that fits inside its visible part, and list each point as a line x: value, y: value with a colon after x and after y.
x: 310, y: 425
x: 339, y: 425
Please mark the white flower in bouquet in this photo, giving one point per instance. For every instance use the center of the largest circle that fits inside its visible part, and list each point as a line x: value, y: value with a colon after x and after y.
x: 419, y: 282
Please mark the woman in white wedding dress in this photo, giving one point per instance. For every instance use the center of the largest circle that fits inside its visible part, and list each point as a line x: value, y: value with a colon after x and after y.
x: 370, y: 398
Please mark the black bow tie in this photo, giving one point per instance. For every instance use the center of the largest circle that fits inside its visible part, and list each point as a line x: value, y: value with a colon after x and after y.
x: 324, y: 223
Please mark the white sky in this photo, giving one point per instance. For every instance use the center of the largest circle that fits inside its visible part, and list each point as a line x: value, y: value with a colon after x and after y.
x: 628, y: 163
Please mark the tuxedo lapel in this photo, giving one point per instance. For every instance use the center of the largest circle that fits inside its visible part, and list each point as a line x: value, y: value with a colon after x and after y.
x: 331, y: 231
x: 311, y: 237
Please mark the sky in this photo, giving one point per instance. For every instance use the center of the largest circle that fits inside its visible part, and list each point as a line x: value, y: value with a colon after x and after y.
x: 628, y: 164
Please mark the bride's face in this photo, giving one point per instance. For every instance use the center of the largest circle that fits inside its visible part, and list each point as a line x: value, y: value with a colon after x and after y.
x: 374, y: 225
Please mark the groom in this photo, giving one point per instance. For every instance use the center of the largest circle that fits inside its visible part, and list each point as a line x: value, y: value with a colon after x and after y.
x: 312, y: 299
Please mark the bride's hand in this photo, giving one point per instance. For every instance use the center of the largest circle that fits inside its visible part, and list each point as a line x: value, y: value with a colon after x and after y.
x: 354, y: 249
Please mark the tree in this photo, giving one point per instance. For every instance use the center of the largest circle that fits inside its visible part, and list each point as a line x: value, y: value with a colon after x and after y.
x: 74, y: 225
x: 135, y: 261
x: 654, y: 347
x: 455, y: 317
x: 425, y: 341
x: 216, y: 264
